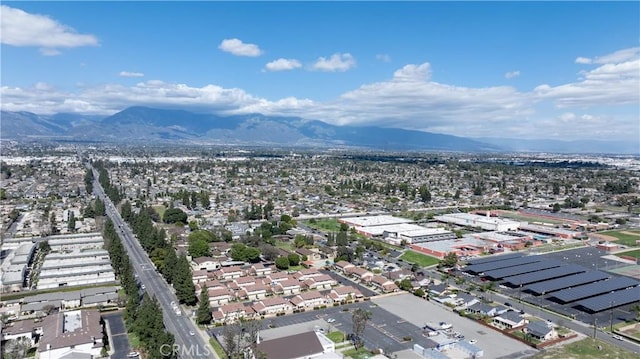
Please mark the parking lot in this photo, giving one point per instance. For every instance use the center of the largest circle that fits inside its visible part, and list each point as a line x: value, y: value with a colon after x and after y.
x: 419, y: 312
x: 588, y: 257
x: 385, y: 330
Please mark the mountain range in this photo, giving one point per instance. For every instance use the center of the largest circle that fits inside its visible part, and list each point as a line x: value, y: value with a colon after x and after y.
x: 152, y: 125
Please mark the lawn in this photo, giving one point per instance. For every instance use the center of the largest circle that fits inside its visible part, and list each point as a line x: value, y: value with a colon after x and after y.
x: 634, y: 253
x: 420, y: 259
x: 359, y: 354
x: 326, y: 224
x: 337, y: 336
x: 284, y: 245
x: 218, y: 348
x: 160, y: 210
x: 628, y: 238
x: 586, y: 349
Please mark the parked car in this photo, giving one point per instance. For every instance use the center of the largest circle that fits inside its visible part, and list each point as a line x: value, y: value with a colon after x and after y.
x: 473, y: 341
x: 330, y: 320
x: 616, y: 337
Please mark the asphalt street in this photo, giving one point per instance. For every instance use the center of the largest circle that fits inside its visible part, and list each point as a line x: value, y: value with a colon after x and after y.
x: 187, y: 346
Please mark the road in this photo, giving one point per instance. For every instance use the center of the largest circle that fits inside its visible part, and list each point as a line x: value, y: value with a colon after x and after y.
x: 187, y: 345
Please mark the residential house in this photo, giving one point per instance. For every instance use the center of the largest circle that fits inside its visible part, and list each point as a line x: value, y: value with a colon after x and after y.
x: 260, y: 270
x: 320, y: 282
x: 309, y: 299
x: 199, y: 276
x: 486, y: 309
x: 220, y: 296
x: 242, y: 282
x: 21, y: 329
x: 70, y: 334
x: 360, y: 274
x: 303, y: 274
x: 311, y: 255
x: 384, y: 284
x: 254, y: 292
x: 228, y: 273
x: 272, y: 306
x: 205, y: 263
x: 438, y: 289
x: 540, y: 330
x: 287, y: 287
x: 509, y: 320
x: 276, y: 277
x: 343, y: 293
x: 464, y: 300
x: 231, y: 312
x: 344, y: 266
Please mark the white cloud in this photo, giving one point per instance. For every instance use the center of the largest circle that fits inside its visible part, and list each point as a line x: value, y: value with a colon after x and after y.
x: 583, y: 60
x: 408, y: 99
x: 283, y: 65
x: 383, y: 57
x: 130, y: 74
x: 19, y: 28
x: 239, y: 48
x: 512, y: 74
x: 335, y: 63
x: 413, y: 73
x: 613, y: 58
x: 609, y: 84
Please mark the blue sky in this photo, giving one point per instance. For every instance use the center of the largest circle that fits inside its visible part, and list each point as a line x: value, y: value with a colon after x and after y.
x: 475, y: 69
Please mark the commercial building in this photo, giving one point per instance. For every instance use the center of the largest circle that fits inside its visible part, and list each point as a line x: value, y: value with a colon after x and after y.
x: 486, y: 223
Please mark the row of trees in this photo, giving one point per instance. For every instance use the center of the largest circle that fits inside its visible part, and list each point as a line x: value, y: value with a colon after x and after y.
x: 142, y: 317
x: 176, y: 270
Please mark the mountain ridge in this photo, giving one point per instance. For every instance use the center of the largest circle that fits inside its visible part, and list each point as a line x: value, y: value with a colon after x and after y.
x: 139, y: 124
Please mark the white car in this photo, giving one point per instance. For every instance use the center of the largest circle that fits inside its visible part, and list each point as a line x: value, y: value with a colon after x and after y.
x: 330, y: 320
x: 143, y: 287
x: 472, y: 341
x: 191, y: 332
x: 133, y: 355
x: 616, y: 337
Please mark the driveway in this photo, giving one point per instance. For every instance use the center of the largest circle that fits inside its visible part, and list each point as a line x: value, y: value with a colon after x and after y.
x: 119, y: 340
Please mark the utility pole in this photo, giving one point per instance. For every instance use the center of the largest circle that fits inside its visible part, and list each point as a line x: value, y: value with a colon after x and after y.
x: 611, y: 315
x: 595, y: 326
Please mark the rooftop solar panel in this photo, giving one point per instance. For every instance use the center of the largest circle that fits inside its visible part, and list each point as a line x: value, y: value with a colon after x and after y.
x: 538, y: 276
x: 479, y: 268
x: 525, y: 268
x: 611, y: 300
x: 495, y: 258
x: 593, y: 289
x: 553, y: 285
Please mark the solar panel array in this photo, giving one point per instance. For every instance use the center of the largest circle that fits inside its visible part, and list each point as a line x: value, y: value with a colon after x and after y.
x: 611, y: 300
x: 556, y: 272
x: 483, y: 267
x: 520, y: 269
x: 566, y: 282
x: 593, y: 289
x: 495, y: 258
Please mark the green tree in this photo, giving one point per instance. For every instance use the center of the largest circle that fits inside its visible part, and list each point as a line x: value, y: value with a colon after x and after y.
x: 359, y: 319
x: 198, y: 248
x: 294, y: 259
x: 241, y: 252
x: 203, y: 316
x: 449, y: 260
x: 282, y: 263
x: 174, y: 215
x: 71, y: 225
x: 183, y: 282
